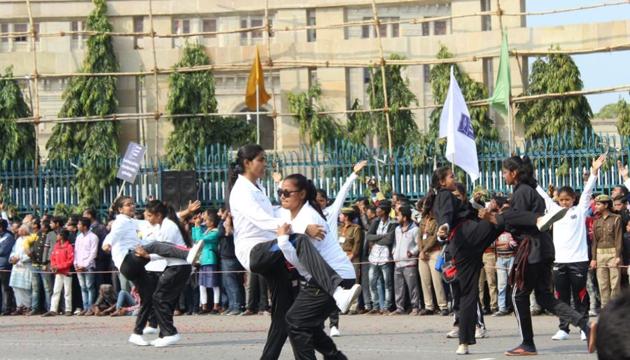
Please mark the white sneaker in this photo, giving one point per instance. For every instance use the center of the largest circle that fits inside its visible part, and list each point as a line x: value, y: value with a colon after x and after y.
x: 583, y: 336
x: 195, y: 252
x: 481, y: 333
x: 334, y: 332
x: 544, y: 223
x: 167, y: 341
x: 560, y: 335
x: 462, y: 349
x: 453, y: 334
x: 150, y: 331
x: 137, y: 340
x: 78, y: 311
x: 344, y: 297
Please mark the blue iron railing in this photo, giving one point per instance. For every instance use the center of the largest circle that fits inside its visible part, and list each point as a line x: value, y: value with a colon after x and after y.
x: 408, y: 171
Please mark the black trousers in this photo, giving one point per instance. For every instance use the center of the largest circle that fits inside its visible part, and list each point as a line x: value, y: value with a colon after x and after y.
x: 538, y: 278
x: 165, y: 249
x: 305, y: 320
x: 334, y: 318
x: 257, y: 293
x: 169, y: 286
x: 133, y: 269
x: 267, y: 260
x: 570, y: 280
x: 8, y: 298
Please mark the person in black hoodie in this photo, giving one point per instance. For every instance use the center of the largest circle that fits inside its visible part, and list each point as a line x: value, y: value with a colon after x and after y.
x: 535, y: 254
x: 467, y: 237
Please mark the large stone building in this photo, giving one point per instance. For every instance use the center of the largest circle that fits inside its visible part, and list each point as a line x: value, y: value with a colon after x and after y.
x: 466, y: 37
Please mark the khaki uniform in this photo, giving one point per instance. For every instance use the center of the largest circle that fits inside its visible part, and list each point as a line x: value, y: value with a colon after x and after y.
x: 606, y: 247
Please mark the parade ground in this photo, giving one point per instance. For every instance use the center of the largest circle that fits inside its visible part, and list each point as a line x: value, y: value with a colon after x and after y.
x: 364, y: 337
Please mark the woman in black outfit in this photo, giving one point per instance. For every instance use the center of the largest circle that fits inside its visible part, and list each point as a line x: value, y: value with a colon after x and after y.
x: 467, y: 237
x: 534, y: 256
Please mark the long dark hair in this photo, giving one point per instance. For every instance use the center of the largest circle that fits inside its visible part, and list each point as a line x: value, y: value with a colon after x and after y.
x: 524, y: 169
x: 168, y: 212
x: 438, y: 175
x: 245, y: 152
x: 118, y: 203
x: 302, y: 183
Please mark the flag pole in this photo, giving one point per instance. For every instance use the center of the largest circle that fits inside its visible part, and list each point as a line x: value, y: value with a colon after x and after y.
x: 257, y: 115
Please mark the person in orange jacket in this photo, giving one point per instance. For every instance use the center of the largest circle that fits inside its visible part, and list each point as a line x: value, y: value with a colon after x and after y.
x: 61, y: 260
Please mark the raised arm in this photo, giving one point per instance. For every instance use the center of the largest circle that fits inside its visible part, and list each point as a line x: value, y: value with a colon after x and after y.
x: 340, y: 199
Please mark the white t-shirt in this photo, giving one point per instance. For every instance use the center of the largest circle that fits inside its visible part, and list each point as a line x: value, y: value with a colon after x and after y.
x: 569, y: 233
x: 122, y: 237
x: 328, y: 248
x: 168, y: 232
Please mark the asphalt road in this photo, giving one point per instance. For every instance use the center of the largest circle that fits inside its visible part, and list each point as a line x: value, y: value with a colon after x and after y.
x: 363, y: 337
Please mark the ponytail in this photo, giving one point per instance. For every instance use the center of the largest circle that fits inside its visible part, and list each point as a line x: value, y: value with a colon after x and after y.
x: 302, y: 183
x: 438, y: 175
x: 524, y: 169
x: 245, y: 152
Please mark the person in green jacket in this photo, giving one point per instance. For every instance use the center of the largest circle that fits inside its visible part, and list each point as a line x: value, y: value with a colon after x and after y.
x: 206, y: 230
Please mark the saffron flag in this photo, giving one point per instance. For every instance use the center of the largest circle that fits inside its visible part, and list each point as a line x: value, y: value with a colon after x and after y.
x: 500, y: 100
x: 256, y: 85
x: 456, y: 127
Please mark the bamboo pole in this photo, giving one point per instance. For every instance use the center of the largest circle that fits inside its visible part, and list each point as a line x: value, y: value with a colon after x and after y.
x: 156, y: 80
x: 35, y: 77
x: 383, y: 79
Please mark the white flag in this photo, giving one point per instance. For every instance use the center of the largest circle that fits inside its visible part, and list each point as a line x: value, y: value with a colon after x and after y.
x: 456, y: 126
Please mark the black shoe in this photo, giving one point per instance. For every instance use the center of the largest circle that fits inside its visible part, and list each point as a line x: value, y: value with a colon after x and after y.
x: 425, y: 312
x: 522, y: 350
x: 444, y: 312
x: 537, y: 312
x: 501, y: 313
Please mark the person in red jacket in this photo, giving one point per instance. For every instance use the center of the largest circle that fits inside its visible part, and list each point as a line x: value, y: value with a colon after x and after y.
x: 61, y: 259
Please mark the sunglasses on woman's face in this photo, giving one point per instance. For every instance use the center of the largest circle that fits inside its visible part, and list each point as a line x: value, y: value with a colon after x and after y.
x: 286, y: 193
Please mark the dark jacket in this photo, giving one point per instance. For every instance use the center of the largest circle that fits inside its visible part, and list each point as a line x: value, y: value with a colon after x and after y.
x: 7, y: 240
x: 226, y: 244
x: 386, y: 239
x: 524, y: 203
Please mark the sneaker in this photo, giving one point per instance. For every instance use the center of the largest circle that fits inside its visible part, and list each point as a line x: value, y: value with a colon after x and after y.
x: 233, y: 313
x: 48, y: 314
x: 536, y: 312
x: 583, y: 336
x: 501, y: 313
x: 167, y: 341
x: 194, y: 253
x: 462, y: 349
x: 150, y: 331
x: 424, y: 312
x: 397, y: 312
x: 453, y: 334
x: 544, y: 222
x: 334, y: 332
x: 248, y: 313
x: 481, y: 333
x: 414, y: 312
x: 137, y: 340
x: 560, y: 335
x: 374, y: 312
x: 68, y: 313
x: 592, y: 313
x: 444, y: 312
x: 344, y: 297
x: 522, y: 350
x: 79, y: 312
x: 89, y: 313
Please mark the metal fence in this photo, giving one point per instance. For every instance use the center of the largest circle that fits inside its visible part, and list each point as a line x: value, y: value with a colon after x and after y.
x: 558, y: 161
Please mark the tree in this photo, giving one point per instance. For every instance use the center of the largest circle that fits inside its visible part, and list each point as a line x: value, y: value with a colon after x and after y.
x: 191, y: 93
x: 472, y: 90
x: 623, y: 118
x: 608, y: 111
x: 403, y: 126
x: 95, y: 143
x: 18, y: 140
x: 555, y: 73
x: 314, y: 127
x: 359, y: 124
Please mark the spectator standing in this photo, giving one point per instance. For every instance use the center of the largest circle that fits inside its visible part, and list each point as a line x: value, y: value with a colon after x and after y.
x: 39, y: 251
x: 232, y: 276
x: 7, y: 240
x: 208, y: 276
x: 381, y: 237
x: 404, y: 253
x: 606, y: 249
x: 22, y: 272
x: 61, y: 260
x: 85, y: 250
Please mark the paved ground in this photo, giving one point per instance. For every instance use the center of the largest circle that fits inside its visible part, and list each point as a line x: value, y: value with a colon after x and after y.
x: 225, y: 337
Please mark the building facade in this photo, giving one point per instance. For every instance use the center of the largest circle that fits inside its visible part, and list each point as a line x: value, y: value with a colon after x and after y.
x: 466, y: 37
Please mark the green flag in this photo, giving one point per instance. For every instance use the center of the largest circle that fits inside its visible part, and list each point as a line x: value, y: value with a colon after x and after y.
x: 500, y: 100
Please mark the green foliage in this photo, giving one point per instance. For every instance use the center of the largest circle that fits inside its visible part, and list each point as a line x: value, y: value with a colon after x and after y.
x: 18, y: 140
x: 359, y: 125
x: 548, y: 117
x: 314, y: 127
x: 94, y: 142
x: 472, y: 90
x: 403, y: 126
x: 191, y: 93
x: 608, y: 111
x: 623, y: 117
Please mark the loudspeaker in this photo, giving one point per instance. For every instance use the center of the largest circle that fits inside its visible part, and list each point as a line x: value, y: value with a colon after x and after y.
x: 178, y: 188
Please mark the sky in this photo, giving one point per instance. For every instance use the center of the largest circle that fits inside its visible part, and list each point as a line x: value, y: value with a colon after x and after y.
x: 598, y: 70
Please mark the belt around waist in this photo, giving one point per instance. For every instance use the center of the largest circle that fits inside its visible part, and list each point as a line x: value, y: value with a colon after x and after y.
x: 607, y: 251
